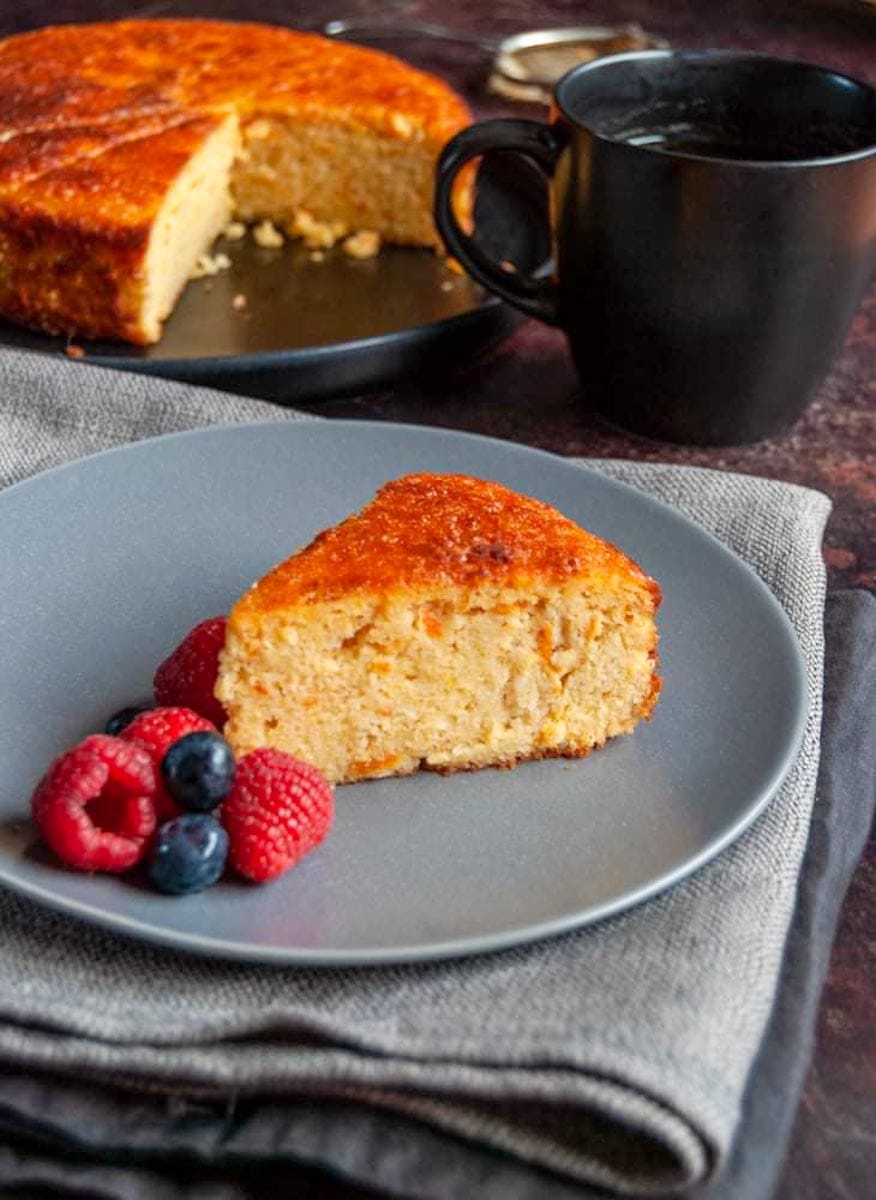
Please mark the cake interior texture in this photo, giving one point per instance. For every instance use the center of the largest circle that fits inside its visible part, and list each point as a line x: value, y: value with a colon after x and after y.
x: 197, y: 208
x: 522, y: 657
x: 342, y: 179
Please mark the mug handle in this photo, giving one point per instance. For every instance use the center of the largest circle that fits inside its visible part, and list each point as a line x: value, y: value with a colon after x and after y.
x: 537, y: 297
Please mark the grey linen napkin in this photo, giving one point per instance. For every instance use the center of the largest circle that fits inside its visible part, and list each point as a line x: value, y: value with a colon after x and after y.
x: 616, y: 1056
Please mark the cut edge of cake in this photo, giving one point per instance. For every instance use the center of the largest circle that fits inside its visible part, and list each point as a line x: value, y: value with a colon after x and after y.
x: 385, y: 187
x: 197, y: 208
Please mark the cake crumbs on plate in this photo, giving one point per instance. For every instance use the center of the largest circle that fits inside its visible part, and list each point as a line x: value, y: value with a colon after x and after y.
x: 267, y: 235
x: 447, y: 285
x: 210, y: 264
x: 74, y: 351
x: 364, y: 244
x: 239, y: 301
x: 316, y: 234
x: 234, y: 231
x: 317, y: 256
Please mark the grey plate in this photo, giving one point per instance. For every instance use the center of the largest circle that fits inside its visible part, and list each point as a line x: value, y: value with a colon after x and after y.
x: 109, y: 561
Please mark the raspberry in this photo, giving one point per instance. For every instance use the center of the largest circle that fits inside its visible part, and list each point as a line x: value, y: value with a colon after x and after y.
x: 157, y: 729
x: 94, y: 806
x: 188, y: 676
x: 279, y: 810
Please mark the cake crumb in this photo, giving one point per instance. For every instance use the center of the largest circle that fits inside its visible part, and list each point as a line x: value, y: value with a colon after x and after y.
x: 235, y: 230
x: 453, y: 265
x: 316, y: 235
x: 364, y: 244
x: 317, y: 255
x: 73, y: 351
x: 267, y: 235
x: 210, y: 264
x: 447, y: 285
x: 239, y: 301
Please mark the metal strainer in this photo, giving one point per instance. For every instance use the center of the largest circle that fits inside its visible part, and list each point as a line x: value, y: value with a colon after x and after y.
x: 524, y: 66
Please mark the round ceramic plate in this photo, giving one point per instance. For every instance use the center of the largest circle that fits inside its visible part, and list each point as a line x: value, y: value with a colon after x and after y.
x: 115, y: 557
x: 311, y: 330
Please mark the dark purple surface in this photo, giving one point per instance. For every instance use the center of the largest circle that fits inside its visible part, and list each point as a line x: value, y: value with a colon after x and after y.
x: 527, y: 392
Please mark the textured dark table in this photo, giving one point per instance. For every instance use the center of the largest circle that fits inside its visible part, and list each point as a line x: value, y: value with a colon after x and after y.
x: 526, y: 391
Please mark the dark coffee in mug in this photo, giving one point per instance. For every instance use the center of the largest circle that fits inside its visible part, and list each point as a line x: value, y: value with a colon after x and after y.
x: 722, y: 143
x: 714, y: 225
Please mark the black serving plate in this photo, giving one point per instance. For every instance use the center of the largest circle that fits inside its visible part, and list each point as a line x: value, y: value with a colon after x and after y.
x: 311, y: 330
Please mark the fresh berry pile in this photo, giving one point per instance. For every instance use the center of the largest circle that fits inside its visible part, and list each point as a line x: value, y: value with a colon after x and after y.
x: 161, y: 786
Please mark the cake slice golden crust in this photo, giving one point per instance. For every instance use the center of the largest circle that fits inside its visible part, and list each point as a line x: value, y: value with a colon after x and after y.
x: 451, y: 624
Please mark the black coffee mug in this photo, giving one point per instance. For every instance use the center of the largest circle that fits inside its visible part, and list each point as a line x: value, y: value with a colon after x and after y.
x: 713, y: 217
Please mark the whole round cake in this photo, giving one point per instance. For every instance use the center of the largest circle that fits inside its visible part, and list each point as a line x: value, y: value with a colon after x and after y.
x: 127, y: 147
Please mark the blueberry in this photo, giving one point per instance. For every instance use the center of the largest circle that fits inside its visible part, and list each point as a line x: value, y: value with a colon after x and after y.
x: 198, y: 771
x: 123, y: 718
x: 189, y: 854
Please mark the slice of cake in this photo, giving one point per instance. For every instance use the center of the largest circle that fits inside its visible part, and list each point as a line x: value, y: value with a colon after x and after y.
x: 451, y: 624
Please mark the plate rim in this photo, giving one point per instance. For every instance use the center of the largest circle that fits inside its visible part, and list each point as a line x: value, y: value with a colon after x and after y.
x: 198, y: 944
x: 232, y: 363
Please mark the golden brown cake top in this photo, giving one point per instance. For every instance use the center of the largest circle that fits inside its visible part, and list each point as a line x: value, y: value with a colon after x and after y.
x: 97, y: 120
x: 441, y: 530
x: 113, y: 193
x: 34, y: 153
x: 85, y: 73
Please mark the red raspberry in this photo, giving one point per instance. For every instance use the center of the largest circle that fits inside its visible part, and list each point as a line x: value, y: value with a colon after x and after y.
x: 94, y: 806
x: 188, y: 677
x: 279, y: 809
x: 157, y: 729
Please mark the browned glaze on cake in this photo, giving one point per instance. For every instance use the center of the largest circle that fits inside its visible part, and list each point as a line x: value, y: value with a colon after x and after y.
x: 440, y: 529
x: 67, y: 73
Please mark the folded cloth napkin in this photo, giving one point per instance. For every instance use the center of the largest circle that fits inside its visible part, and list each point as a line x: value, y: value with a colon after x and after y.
x: 616, y: 1056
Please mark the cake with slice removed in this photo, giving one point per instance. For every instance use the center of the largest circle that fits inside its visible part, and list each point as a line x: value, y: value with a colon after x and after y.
x: 127, y: 146
x: 451, y: 624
